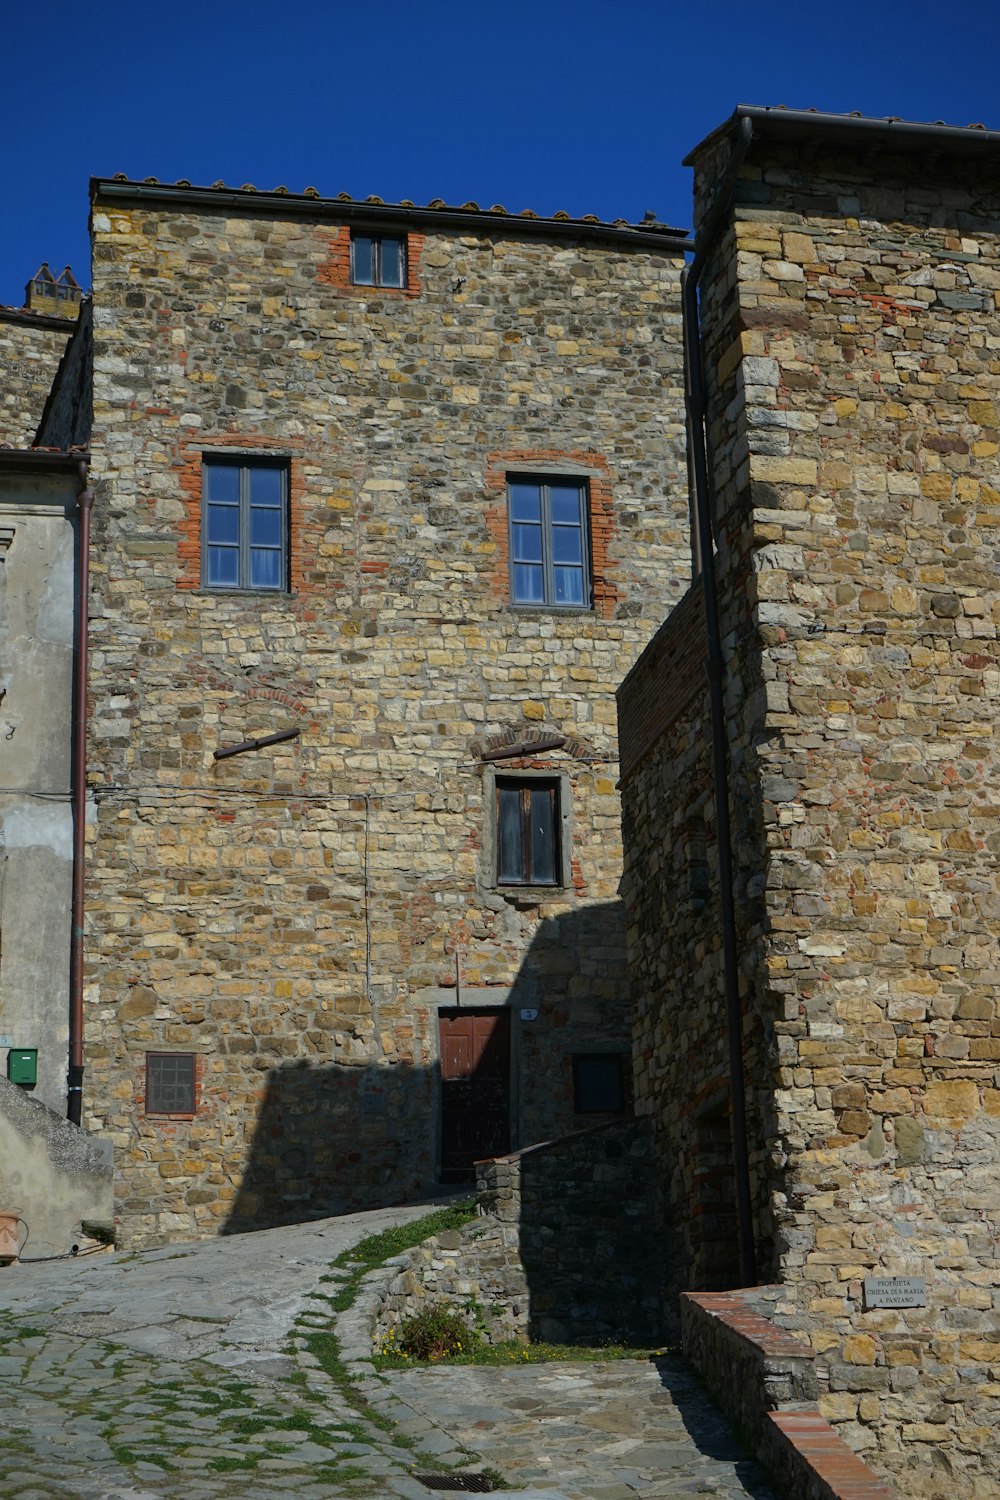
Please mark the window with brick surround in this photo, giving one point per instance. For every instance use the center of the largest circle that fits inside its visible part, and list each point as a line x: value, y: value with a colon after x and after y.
x: 244, y: 523
x: 170, y: 1083
x: 549, y: 563
x: 528, y: 826
x: 598, y: 1083
x: 378, y: 259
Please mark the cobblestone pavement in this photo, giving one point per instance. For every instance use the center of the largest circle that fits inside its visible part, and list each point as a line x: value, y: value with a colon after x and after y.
x: 184, y: 1372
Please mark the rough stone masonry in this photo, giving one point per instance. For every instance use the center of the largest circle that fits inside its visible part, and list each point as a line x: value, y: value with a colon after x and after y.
x: 295, y: 918
x: 851, y: 325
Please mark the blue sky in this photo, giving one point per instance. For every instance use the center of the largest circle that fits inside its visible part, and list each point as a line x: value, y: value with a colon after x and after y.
x: 586, y: 106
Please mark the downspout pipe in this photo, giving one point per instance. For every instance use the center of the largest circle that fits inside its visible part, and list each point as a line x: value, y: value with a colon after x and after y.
x: 74, y: 1098
x: 704, y: 559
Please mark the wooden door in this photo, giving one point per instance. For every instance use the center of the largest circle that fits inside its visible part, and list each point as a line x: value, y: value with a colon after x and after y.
x: 475, y: 1089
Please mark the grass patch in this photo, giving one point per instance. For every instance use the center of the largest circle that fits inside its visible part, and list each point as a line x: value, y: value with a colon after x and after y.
x: 474, y: 1352
x: 10, y: 1336
x: 355, y: 1264
x: 226, y: 1464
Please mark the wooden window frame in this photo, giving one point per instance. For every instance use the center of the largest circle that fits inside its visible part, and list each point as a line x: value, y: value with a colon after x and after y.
x: 525, y: 786
x: 170, y: 1114
x: 245, y: 463
x: 543, y: 483
x: 377, y: 240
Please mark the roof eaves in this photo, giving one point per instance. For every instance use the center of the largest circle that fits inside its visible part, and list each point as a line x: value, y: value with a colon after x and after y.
x: 909, y: 134
x: 310, y: 204
x: 40, y: 460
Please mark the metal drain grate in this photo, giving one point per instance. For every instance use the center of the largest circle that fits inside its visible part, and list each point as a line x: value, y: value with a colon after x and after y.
x: 468, y: 1484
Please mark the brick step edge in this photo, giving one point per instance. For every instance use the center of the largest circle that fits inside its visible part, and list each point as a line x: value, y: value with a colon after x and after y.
x: 764, y: 1379
x: 813, y: 1463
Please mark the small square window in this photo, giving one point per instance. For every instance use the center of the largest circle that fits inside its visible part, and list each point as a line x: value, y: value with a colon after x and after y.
x: 378, y: 260
x: 598, y: 1083
x: 527, y: 831
x: 547, y: 520
x: 170, y: 1088
x: 244, y: 524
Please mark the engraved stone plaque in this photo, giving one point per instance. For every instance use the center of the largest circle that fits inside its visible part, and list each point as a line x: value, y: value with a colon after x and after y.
x: 895, y: 1291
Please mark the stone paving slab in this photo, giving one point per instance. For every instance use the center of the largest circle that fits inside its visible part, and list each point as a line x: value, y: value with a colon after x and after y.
x: 184, y: 1372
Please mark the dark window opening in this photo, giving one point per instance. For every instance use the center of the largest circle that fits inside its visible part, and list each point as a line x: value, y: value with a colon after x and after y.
x: 549, y: 565
x: 244, y: 524
x: 528, y: 851
x: 378, y: 260
x: 598, y: 1083
x: 170, y: 1083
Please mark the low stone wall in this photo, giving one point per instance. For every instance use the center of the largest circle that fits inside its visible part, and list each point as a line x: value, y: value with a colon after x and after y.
x: 476, y: 1271
x: 766, y: 1381
x: 561, y: 1251
x: 583, y: 1210
x: 52, y: 1173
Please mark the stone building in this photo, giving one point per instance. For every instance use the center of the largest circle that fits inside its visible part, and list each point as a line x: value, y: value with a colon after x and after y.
x: 850, y: 336
x: 387, y: 501
x: 33, y: 339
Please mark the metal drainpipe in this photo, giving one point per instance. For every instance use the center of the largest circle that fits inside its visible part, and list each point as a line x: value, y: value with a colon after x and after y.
x: 74, y: 1099
x: 704, y: 554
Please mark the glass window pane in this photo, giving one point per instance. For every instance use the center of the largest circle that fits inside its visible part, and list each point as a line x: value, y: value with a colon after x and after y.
x: 265, y: 568
x: 362, y: 260
x: 525, y: 502
x: 392, y: 262
x: 222, y: 482
x: 265, y: 486
x: 224, y: 523
x: 569, y: 585
x: 265, y: 528
x: 543, y: 836
x: 528, y: 584
x: 567, y: 544
x: 224, y: 566
x: 565, y: 501
x: 527, y: 543
x: 510, y: 856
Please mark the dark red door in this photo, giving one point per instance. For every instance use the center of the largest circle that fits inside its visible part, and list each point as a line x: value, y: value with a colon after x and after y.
x: 475, y: 1089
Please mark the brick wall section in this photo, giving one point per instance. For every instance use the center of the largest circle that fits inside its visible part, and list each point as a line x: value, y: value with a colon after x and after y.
x: 849, y: 321
x: 302, y: 536
x: 297, y: 916
x: 30, y: 351
x: 591, y: 466
x: 335, y: 270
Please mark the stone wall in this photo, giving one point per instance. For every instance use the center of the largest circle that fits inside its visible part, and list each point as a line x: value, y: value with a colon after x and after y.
x: 37, y: 591
x: 475, y: 1271
x: 670, y: 889
x: 562, y: 1250
x: 296, y: 918
x: 850, y: 321
x: 67, y: 415
x: 31, y: 346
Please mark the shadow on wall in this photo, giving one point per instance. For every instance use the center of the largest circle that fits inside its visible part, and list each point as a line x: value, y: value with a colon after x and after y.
x: 335, y: 1140
x: 340, y: 1139
x: 575, y: 975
